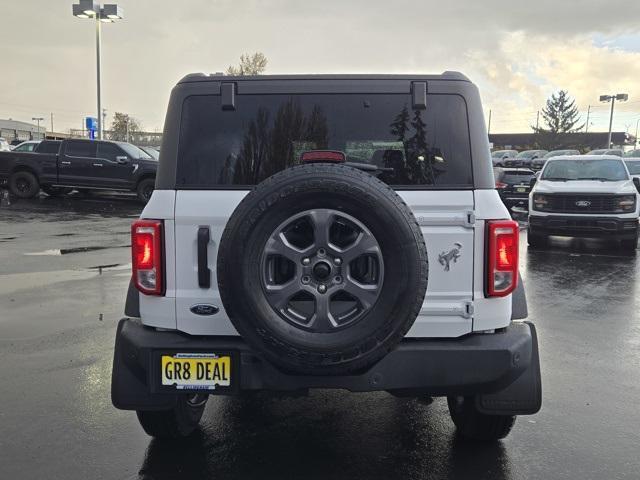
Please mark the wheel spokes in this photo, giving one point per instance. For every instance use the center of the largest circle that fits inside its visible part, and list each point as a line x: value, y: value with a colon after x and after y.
x: 322, y: 320
x: 314, y: 273
x: 321, y: 221
x: 365, y: 294
x: 279, y: 245
x: 364, y: 244
x: 280, y: 295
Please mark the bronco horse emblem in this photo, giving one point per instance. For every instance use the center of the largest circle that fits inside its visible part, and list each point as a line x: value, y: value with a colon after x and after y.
x: 445, y: 258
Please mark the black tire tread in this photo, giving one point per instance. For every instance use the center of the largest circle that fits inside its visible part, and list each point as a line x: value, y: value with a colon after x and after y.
x: 32, y: 178
x: 179, y: 422
x: 474, y: 425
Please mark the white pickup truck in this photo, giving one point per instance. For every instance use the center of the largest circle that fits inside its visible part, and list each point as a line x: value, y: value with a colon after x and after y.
x: 584, y: 196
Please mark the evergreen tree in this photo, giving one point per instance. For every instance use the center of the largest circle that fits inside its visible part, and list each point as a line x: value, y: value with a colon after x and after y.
x: 418, y: 161
x: 400, y: 124
x: 561, y: 114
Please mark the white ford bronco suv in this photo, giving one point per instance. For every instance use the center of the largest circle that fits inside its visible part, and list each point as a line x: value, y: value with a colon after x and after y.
x: 330, y: 231
x: 585, y: 196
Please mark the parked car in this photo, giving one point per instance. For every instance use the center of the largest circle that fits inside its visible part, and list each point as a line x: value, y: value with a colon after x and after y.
x: 605, y: 151
x: 57, y: 167
x: 499, y: 156
x: 539, y: 162
x: 28, y: 146
x: 524, y: 159
x: 584, y: 196
x: 297, y: 268
x: 632, y: 154
x: 152, y: 152
x: 4, y: 145
x: 513, y: 185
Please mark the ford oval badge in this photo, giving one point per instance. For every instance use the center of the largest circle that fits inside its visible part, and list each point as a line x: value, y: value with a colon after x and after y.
x: 204, y: 309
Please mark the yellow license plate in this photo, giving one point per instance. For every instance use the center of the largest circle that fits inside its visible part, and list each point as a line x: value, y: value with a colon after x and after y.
x: 196, y: 371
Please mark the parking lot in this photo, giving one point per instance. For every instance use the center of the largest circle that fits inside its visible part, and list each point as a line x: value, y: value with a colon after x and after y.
x: 64, y: 271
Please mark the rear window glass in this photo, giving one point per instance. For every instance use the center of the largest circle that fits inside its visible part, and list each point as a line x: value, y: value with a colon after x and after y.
x: 517, y: 177
x: 268, y: 133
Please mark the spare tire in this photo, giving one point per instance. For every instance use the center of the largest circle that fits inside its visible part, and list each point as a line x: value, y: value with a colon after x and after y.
x: 322, y: 269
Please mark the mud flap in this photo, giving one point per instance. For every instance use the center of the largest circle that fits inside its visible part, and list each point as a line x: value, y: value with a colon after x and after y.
x: 129, y: 389
x: 523, y: 396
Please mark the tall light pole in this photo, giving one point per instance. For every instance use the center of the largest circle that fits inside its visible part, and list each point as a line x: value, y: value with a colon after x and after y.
x: 38, y: 119
x: 107, y: 13
x: 637, y: 142
x: 622, y: 97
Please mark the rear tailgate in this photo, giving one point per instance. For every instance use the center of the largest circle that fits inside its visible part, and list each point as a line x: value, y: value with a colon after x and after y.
x: 446, y: 221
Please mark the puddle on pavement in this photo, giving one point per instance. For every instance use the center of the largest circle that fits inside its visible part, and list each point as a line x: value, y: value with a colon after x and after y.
x: 66, y: 251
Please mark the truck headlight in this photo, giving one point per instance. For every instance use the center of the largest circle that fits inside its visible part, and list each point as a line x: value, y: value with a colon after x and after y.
x: 626, y: 203
x: 540, y: 202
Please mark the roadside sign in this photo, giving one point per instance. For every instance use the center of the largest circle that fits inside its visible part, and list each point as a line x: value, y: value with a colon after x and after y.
x: 92, y: 126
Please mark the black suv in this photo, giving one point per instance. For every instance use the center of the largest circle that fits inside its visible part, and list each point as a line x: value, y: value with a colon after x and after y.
x: 514, y: 185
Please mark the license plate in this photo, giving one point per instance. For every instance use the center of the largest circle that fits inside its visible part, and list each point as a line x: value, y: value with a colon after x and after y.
x: 521, y: 189
x: 196, y: 371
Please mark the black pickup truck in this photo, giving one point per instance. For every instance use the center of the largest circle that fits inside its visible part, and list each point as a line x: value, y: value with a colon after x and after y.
x: 58, y: 167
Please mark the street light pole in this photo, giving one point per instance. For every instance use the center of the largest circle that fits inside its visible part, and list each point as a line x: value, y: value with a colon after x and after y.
x: 637, y: 142
x: 623, y: 97
x: 98, y: 75
x: 37, y: 119
x: 613, y: 103
x: 107, y: 13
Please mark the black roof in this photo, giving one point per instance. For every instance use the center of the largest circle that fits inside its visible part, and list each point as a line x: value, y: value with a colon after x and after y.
x: 217, y: 77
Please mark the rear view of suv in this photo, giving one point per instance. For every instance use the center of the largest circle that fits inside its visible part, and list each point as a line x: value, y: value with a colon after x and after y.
x: 330, y: 231
x: 513, y: 185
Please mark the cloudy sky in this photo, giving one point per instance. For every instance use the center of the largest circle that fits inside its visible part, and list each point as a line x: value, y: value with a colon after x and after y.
x: 518, y: 52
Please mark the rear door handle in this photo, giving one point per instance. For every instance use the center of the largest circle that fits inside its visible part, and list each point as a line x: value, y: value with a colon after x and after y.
x: 65, y: 163
x: 204, y: 273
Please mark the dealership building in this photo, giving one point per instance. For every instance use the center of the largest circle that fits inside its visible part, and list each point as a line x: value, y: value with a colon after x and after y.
x: 13, y: 130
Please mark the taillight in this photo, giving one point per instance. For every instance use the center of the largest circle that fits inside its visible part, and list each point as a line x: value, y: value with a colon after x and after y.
x: 313, y: 156
x: 501, y: 185
x: 502, y: 257
x: 146, y: 249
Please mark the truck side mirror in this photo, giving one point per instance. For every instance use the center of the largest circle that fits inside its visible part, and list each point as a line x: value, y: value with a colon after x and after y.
x: 636, y: 182
x: 122, y: 160
x: 532, y: 182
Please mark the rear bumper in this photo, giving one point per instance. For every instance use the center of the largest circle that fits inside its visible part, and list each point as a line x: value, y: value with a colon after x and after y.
x: 515, y: 200
x: 584, y: 226
x: 487, y: 365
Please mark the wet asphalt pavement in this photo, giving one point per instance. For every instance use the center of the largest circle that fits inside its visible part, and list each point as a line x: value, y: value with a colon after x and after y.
x: 64, y: 270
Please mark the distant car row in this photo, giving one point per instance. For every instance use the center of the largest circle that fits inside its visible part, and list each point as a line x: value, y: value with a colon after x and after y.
x: 535, y: 159
x: 30, y: 146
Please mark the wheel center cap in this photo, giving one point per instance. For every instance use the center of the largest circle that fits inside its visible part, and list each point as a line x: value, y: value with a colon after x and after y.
x: 321, y: 270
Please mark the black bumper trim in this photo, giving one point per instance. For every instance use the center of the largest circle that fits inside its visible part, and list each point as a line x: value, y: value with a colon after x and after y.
x: 584, y: 226
x: 470, y: 365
